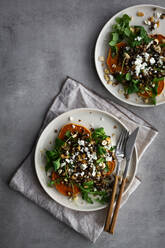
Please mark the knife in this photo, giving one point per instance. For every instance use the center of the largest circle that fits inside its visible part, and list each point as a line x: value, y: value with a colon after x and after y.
x: 128, y: 153
x: 129, y: 149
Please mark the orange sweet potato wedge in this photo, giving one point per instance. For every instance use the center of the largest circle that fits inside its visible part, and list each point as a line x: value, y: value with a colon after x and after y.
x: 112, y: 62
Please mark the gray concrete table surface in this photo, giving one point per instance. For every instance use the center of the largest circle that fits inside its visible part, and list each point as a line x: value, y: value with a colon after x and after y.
x: 41, y: 42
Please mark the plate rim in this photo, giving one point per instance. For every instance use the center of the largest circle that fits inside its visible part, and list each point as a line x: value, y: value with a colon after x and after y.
x: 37, y: 150
x: 96, y: 58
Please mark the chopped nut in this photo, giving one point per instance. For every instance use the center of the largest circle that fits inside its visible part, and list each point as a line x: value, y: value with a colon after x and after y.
x: 103, y: 64
x: 92, y: 142
x: 120, y: 91
x: 108, y: 139
x: 132, y: 29
x: 140, y: 13
x: 106, y: 77
x: 104, y: 142
x: 109, y: 82
x: 64, y: 156
x: 79, y: 158
x: 78, y: 148
x: 98, y: 174
x: 69, y: 193
x: 156, y: 40
x: 114, y: 84
x: 106, y: 71
x: 151, y: 19
x: 157, y: 48
x: 101, y: 58
x: 146, y: 100
x: 126, y: 55
x: 113, y: 66
x: 84, y: 155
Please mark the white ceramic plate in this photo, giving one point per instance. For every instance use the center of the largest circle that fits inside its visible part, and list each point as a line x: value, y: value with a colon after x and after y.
x: 89, y: 118
x: 102, y: 47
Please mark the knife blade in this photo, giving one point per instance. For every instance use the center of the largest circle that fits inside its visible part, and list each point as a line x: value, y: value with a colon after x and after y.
x: 129, y: 149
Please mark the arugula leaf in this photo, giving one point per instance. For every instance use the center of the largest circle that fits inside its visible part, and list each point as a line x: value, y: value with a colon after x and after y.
x: 50, y: 156
x: 153, y: 100
x: 101, y: 150
x: 68, y: 133
x: 120, y: 77
x: 99, y: 134
x: 122, y: 27
x: 106, y: 169
x: 59, y: 143
x: 86, y: 197
x: 112, y: 148
x: 128, y: 76
x: 127, y: 31
x: 100, y: 160
x: 132, y: 87
x: 48, y: 166
x: 158, y: 79
x: 104, y: 199
x: 53, y: 154
x: 114, y: 51
x: 56, y: 164
x: 51, y: 183
x: 115, y: 38
x: 89, y: 183
x: 140, y: 32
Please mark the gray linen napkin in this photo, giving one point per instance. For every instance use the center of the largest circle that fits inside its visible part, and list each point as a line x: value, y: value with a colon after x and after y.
x: 75, y: 95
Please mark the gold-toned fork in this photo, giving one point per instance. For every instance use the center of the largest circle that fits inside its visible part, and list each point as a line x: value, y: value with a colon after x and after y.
x: 119, y: 153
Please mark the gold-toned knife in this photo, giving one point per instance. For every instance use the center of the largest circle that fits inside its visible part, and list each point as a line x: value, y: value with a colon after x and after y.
x: 128, y: 153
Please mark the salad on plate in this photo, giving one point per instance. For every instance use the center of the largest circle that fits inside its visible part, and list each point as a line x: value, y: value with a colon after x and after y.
x: 136, y: 60
x: 81, y: 162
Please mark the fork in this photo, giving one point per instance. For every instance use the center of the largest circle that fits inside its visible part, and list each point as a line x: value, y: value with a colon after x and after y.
x: 120, y: 154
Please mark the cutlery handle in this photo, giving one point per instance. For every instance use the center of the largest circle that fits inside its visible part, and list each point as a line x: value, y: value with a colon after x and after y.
x: 114, y: 219
x: 109, y: 213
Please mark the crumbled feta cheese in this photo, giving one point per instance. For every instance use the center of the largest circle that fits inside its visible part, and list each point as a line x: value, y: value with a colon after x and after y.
x: 111, y: 77
x: 149, y: 44
x: 147, y: 22
x: 127, y: 48
x: 82, y: 173
x: 152, y: 61
x: 73, y: 126
x: 83, y: 166
x: 63, y: 164
x: 146, y: 56
x: 108, y: 159
x: 81, y: 142
x: 104, y: 143
x: 138, y: 38
x: 160, y: 61
x: 86, y: 149
x: 94, y: 156
x: 67, y: 160
x: 74, y: 136
x: 94, y: 171
x: 155, y: 25
x: 157, y: 15
x: 140, y: 65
